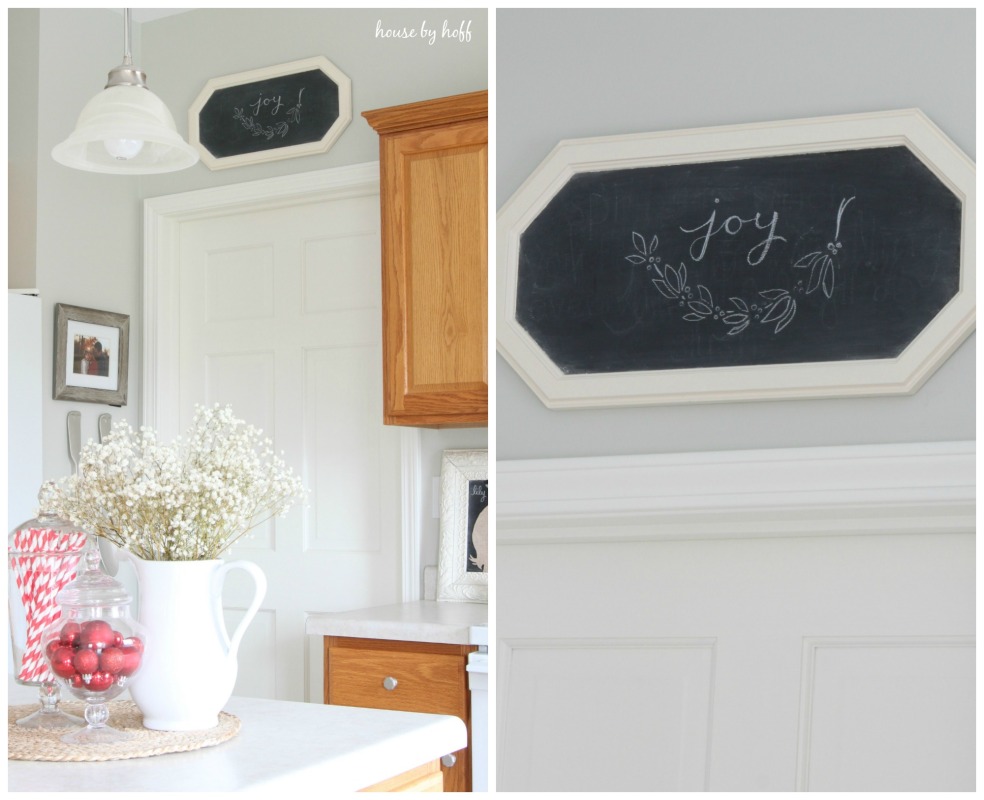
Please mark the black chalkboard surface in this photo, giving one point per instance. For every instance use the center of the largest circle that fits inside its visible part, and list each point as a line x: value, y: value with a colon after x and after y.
x: 268, y: 114
x: 796, y: 258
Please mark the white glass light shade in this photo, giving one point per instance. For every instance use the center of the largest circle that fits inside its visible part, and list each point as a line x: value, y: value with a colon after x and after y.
x: 125, y: 112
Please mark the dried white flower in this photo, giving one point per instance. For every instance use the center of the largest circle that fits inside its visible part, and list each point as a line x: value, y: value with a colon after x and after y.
x: 189, y: 501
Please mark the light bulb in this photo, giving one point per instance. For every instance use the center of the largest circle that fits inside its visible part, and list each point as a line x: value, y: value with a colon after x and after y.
x: 123, y: 149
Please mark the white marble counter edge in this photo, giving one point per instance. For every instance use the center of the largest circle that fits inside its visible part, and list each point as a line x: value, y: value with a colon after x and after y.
x: 431, y: 632
x: 222, y: 767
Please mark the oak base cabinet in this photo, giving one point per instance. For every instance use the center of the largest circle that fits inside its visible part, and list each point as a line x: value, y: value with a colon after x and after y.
x: 433, y: 162
x: 404, y: 676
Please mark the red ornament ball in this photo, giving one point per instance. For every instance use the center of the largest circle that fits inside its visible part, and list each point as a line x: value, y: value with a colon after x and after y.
x: 131, y: 660
x: 100, y: 681
x: 96, y: 634
x: 76, y: 681
x: 111, y: 660
x: 61, y: 662
x: 70, y: 633
x: 86, y: 662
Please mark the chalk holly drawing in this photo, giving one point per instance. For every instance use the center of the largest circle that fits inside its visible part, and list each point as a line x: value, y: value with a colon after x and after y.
x: 775, y: 307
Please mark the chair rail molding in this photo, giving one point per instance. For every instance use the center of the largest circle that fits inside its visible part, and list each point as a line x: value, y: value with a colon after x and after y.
x: 816, y: 491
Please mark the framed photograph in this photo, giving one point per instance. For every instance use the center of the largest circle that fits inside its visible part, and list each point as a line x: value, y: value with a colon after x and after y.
x: 814, y: 258
x: 463, y: 562
x: 91, y: 355
x: 288, y: 110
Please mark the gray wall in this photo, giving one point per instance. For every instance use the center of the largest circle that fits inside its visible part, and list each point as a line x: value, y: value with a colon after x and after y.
x: 570, y: 74
x: 22, y: 146
x: 86, y: 228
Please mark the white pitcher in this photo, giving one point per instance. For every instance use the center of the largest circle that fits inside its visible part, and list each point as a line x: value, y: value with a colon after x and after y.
x: 189, y: 665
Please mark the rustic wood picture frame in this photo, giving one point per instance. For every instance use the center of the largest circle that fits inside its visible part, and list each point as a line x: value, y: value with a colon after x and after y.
x: 91, y: 355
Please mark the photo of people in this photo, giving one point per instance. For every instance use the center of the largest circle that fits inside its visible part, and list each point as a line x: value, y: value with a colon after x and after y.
x: 90, y: 356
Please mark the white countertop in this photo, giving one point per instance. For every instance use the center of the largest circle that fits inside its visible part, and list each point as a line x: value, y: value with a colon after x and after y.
x: 282, y: 746
x: 422, y: 621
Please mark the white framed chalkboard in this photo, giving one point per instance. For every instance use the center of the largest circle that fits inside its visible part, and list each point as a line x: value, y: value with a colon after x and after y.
x: 822, y: 257
x: 284, y: 111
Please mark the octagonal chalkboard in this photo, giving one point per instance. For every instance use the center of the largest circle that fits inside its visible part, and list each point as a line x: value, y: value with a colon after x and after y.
x: 288, y: 110
x: 813, y: 258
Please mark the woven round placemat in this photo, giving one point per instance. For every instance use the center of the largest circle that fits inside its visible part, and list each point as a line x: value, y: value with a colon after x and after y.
x: 31, y: 744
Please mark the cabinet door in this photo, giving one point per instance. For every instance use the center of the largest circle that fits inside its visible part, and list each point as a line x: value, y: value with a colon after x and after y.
x: 434, y: 195
x: 403, y: 676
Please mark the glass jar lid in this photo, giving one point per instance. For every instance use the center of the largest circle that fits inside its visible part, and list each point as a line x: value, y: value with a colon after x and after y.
x: 93, y: 588
x: 46, y: 534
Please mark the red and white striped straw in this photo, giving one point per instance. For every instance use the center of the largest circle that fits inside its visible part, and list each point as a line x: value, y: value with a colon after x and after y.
x: 41, y: 570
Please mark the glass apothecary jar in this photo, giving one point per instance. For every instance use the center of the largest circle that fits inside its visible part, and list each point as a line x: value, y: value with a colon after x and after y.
x: 43, y: 556
x: 96, y: 648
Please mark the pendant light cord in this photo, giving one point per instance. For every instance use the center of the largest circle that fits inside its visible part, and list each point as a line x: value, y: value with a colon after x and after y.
x: 126, y: 74
x: 127, y: 58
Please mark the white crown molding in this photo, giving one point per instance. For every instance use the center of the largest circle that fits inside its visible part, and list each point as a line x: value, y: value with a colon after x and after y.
x: 862, y: 489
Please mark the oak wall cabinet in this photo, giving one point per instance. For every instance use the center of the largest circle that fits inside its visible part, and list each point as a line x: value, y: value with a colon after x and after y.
x: 434, y: 215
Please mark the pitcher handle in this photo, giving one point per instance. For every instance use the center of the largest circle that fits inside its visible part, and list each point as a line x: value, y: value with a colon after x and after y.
x: 259, y: 585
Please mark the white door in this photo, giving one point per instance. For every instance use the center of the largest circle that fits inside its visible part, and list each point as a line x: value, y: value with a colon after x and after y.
x: 278, y: 315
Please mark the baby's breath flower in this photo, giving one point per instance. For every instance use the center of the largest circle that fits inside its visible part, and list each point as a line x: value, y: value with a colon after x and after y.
x: 185, y: 502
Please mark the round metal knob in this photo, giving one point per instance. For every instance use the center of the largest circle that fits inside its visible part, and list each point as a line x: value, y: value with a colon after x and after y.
x: 389, y: 683
x: 449, y: 760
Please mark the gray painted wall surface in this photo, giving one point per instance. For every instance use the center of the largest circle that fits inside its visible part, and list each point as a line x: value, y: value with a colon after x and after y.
x: 88, y: 228
x: 570, y: 74
x: 22, y: 148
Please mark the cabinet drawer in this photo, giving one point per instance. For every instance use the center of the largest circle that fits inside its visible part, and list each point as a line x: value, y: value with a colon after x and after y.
x: 426, y: 682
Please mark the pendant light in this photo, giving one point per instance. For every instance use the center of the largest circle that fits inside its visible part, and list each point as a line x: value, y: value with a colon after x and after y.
x: 125, y: 129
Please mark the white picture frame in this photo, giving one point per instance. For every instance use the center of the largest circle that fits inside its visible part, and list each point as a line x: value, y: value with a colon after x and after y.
x: 903, y: 374
x: 463, y: 568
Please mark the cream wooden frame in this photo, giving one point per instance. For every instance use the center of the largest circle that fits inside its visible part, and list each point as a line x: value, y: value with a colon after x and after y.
x: 342, y: 80
x: 901, y: 375
x: 454, y: 582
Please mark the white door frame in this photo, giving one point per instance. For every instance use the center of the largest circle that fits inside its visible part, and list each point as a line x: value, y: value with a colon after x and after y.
x: 163, y: 217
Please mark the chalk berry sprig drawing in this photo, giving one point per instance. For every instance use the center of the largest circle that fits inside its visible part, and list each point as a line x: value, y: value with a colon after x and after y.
x: 822, y: 265
x: 269, y: 106
x: 776, y: 306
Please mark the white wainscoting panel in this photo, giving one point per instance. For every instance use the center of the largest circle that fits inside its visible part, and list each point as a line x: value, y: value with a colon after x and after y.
x: 661, y: 700
x: 861, y: 698
x: 756, y: 621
